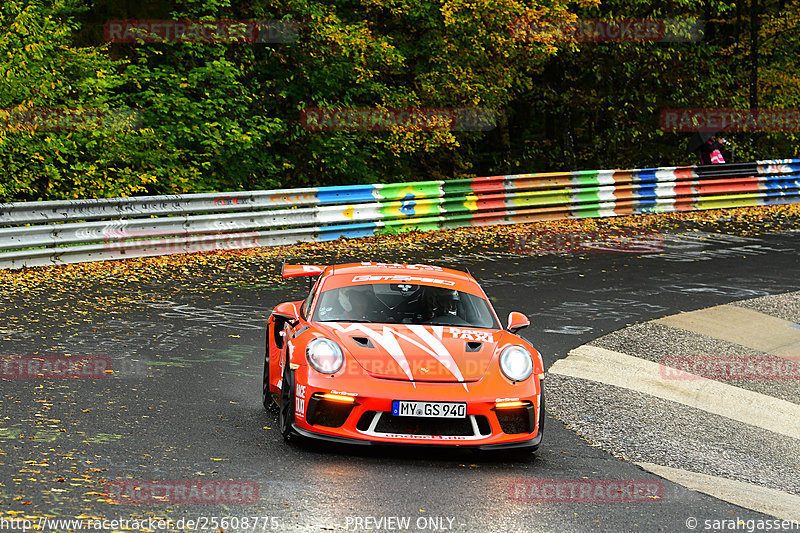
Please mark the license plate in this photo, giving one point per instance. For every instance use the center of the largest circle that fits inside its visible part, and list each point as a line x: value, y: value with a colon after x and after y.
x: 429, y: 409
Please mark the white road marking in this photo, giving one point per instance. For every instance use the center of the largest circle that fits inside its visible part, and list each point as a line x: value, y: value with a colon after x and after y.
x: 632, y: 373
x: 749, y: 328
x: 762, y: 499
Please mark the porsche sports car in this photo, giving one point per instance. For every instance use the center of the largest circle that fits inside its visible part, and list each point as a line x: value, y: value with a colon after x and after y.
x: 401, y: 354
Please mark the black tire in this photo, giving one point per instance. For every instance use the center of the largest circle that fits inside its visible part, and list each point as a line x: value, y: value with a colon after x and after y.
x: 266, y: 396
x: 528, y: 452
x: 286, y: 416
x: 541, y: 416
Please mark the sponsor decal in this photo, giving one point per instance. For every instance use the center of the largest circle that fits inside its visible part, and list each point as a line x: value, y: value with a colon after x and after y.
x: 426, y: 437
x: 300, y: 401
x: 401, y: 278
x: 343, y: 393
x: 474, y: 335
x: 402, y: 266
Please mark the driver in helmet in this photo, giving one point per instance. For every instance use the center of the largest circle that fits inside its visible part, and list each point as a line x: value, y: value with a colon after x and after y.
x: 355, y: 303
x: 445, y: 302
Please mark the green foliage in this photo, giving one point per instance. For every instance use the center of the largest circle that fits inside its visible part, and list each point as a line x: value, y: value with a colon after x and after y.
x: 201, y: 116
x: 41, y: 71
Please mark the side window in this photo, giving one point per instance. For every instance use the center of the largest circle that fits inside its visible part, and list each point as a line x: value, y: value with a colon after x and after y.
x: 310, y: 298
x: 277, y: 329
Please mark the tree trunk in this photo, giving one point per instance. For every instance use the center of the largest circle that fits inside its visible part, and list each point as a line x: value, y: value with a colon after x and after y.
x: 754, y: 27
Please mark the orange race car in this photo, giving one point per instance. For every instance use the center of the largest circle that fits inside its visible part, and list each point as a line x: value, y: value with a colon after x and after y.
x: 401, y: 354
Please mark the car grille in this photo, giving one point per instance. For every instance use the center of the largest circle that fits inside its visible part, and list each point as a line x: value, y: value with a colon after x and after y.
x: 517, y: 420
x: 328, y: 414
x: 384, y: 423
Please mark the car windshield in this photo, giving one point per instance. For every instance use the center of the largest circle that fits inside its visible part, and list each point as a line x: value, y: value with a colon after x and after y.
x: 404, y: 303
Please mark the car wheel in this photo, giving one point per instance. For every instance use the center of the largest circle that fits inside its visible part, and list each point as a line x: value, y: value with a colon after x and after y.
x: 287, y: 404
x: 266, y: 395
x: 541, y: 416
x: 526, y: 453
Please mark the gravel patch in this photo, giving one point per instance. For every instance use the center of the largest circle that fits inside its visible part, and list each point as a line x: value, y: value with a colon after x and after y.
x: 642, y: 428
x: 785, y: 306
x: 779, y: 378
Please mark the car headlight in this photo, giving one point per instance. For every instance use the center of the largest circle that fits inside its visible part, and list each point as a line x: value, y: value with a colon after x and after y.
x: 516, y: 363
x: 324, y: 355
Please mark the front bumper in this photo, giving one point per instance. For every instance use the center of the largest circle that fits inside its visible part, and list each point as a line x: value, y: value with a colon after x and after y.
x: 531, y: 444
x: 369, y: 417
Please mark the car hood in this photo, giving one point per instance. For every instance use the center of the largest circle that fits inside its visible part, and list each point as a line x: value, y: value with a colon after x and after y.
x: 414, y: 352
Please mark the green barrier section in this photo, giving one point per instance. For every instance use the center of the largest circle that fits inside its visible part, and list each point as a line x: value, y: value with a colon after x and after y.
x: 527, y: 199
x: 588, y: 195
x: 410, y: 207
x: 392, y: 227
x: 458, y: 187
x: 584, y: 178
x: 405, y: 191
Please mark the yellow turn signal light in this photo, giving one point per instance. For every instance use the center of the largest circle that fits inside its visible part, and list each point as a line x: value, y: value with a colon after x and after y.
x: 508, y: 405
x: 337, y: 397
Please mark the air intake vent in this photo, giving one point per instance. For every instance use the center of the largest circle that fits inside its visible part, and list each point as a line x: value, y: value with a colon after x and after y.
x: 363, y: 341
x: 473, y: 346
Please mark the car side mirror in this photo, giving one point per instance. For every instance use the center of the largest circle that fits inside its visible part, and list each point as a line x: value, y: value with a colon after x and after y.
x: 517, y: 321
x: 287, y: 310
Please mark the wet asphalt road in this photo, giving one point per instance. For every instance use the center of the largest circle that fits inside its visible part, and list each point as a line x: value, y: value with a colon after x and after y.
x: 186, y: 405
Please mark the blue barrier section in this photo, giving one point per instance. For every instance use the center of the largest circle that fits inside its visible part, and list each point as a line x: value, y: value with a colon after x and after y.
x: 348, y: 194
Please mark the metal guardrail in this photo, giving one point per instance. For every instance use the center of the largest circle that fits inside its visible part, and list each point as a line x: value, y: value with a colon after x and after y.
x: 46, y: 233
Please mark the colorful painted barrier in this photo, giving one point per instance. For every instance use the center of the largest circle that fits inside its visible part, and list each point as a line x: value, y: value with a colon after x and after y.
x: 46, y: 233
